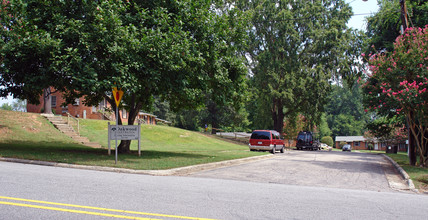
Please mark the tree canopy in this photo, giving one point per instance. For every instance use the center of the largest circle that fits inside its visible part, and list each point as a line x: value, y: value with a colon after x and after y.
x: 174, y: 50
x: 295, y: 48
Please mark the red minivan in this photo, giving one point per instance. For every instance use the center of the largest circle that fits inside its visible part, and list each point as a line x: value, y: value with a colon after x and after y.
x: 266, y: 140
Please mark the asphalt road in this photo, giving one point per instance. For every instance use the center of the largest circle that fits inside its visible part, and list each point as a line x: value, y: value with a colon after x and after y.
x: 346, y: 170
x: 44, y: 192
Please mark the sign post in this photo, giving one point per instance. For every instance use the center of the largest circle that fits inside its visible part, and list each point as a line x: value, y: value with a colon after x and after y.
x: 117, y: 95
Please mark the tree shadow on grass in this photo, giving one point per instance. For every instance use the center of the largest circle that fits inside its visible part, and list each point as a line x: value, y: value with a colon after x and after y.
x: 70, y: 152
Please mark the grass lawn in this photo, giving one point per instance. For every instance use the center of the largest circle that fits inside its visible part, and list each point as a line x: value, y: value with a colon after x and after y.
x: 30, y: 136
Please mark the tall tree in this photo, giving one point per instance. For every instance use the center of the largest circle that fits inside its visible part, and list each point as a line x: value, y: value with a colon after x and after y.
x: 296, y: 47
x: 344, y: 111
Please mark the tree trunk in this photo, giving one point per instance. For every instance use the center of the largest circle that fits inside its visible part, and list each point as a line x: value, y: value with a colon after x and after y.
x: 212, y: 109
x: 47, y: 102
x: 278, y: 116
x: 125, y: 145
x: 412, y: 142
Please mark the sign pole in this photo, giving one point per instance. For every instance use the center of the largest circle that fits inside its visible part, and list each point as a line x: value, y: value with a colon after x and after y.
x: 109, y: 147
x: 139, y: 138
x: 117, y: 127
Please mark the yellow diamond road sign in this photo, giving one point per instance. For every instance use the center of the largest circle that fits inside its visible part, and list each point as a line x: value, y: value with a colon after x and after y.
x: 117, y: 95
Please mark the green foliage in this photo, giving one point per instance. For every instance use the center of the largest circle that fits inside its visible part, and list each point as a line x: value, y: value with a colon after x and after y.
x: 397, y: 85
x: 323, y: 128
x: 345, y: 112
x: 327, y: 140
x: 384, y: 26
x: 183, y: 52
x: 6, y: 106
x: 293, y: 59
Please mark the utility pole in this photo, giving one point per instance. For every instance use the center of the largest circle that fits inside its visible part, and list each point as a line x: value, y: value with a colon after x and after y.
x: 412, y: 148
x: 404, y: 20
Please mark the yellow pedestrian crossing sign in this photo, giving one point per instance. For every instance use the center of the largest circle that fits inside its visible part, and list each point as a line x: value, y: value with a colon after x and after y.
x: 117, y: 95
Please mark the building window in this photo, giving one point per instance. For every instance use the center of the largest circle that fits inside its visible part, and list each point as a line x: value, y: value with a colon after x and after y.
x: 94, y: 109
x: 124, y: 113
x: 76, y: 101
x: 53, y: 101
x: 356, y: 143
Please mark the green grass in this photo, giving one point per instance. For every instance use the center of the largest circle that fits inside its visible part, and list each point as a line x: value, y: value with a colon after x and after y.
x: 29, y: 136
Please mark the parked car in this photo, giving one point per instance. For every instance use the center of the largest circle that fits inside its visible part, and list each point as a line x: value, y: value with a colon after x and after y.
x: 266, y: 140
x: 325, y: 147
x: 347, y: 147
x: 305, y: 140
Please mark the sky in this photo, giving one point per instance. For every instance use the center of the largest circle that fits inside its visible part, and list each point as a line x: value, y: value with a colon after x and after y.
x: 360, y: 8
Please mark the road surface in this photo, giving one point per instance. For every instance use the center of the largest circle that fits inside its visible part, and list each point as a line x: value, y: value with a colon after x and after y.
x: 44, y: 192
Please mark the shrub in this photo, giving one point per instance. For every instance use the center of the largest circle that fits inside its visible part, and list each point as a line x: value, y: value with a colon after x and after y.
x: 327, y: 140
x: 370, y: 146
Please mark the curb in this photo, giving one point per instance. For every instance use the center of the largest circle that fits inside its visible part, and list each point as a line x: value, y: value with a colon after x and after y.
x: 403, y: 174
x: 181, y: 171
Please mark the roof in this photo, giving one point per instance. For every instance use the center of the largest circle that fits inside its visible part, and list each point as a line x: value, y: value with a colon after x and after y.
x: 350, y: 138
x: 148, y: 114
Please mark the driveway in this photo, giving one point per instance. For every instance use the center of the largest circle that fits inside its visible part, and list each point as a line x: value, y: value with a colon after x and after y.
x: 347, y: 170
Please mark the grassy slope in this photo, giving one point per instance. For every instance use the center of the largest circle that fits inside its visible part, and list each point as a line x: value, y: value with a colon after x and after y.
x: 29, y: 136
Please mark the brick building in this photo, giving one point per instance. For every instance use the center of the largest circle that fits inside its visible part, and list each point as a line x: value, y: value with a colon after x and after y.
x: 361, y: 143
x: 79, y: 110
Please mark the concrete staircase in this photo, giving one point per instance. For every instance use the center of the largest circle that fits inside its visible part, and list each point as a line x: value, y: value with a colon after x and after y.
x: 68, y: 130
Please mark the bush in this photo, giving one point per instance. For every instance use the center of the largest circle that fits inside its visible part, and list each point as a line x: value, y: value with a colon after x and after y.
x: 341, y: 144
x: 327, y: 140
x: 370, y: 146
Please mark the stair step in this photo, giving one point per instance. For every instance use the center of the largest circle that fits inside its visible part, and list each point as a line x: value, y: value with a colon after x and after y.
x: 68, y: 130
x: 92, y: 144
x: 58, y: 122
x: 81, y: 139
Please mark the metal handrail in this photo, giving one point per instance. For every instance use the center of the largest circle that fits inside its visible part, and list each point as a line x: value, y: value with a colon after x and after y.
x: 73, y: 118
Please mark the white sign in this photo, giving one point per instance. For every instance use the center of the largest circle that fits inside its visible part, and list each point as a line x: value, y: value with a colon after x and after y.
x: 124, y: 132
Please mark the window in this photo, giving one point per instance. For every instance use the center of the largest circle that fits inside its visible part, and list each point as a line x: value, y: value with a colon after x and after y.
x: 356, y: 143
x: 76, y: 101
x: 261, y: 135
x: 53, y: 101
x: 124, y: 113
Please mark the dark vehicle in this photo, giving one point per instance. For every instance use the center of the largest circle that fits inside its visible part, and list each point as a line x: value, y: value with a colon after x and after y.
x: 266, y: 140
x: 347, y: 147
x: 306, y: 140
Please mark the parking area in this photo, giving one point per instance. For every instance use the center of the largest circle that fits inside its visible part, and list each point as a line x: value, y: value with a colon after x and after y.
x: 348, y: 170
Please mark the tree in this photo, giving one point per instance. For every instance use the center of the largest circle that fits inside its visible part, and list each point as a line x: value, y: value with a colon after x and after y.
x: 385, y: 26
x: 175, y: 50
x: 6, y: 106
x: 345, y: 112
x: 295, y: 48
x: 397, y: 84
x: 388, y: 130
x: 28, y: 51
x: 19, y: 105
